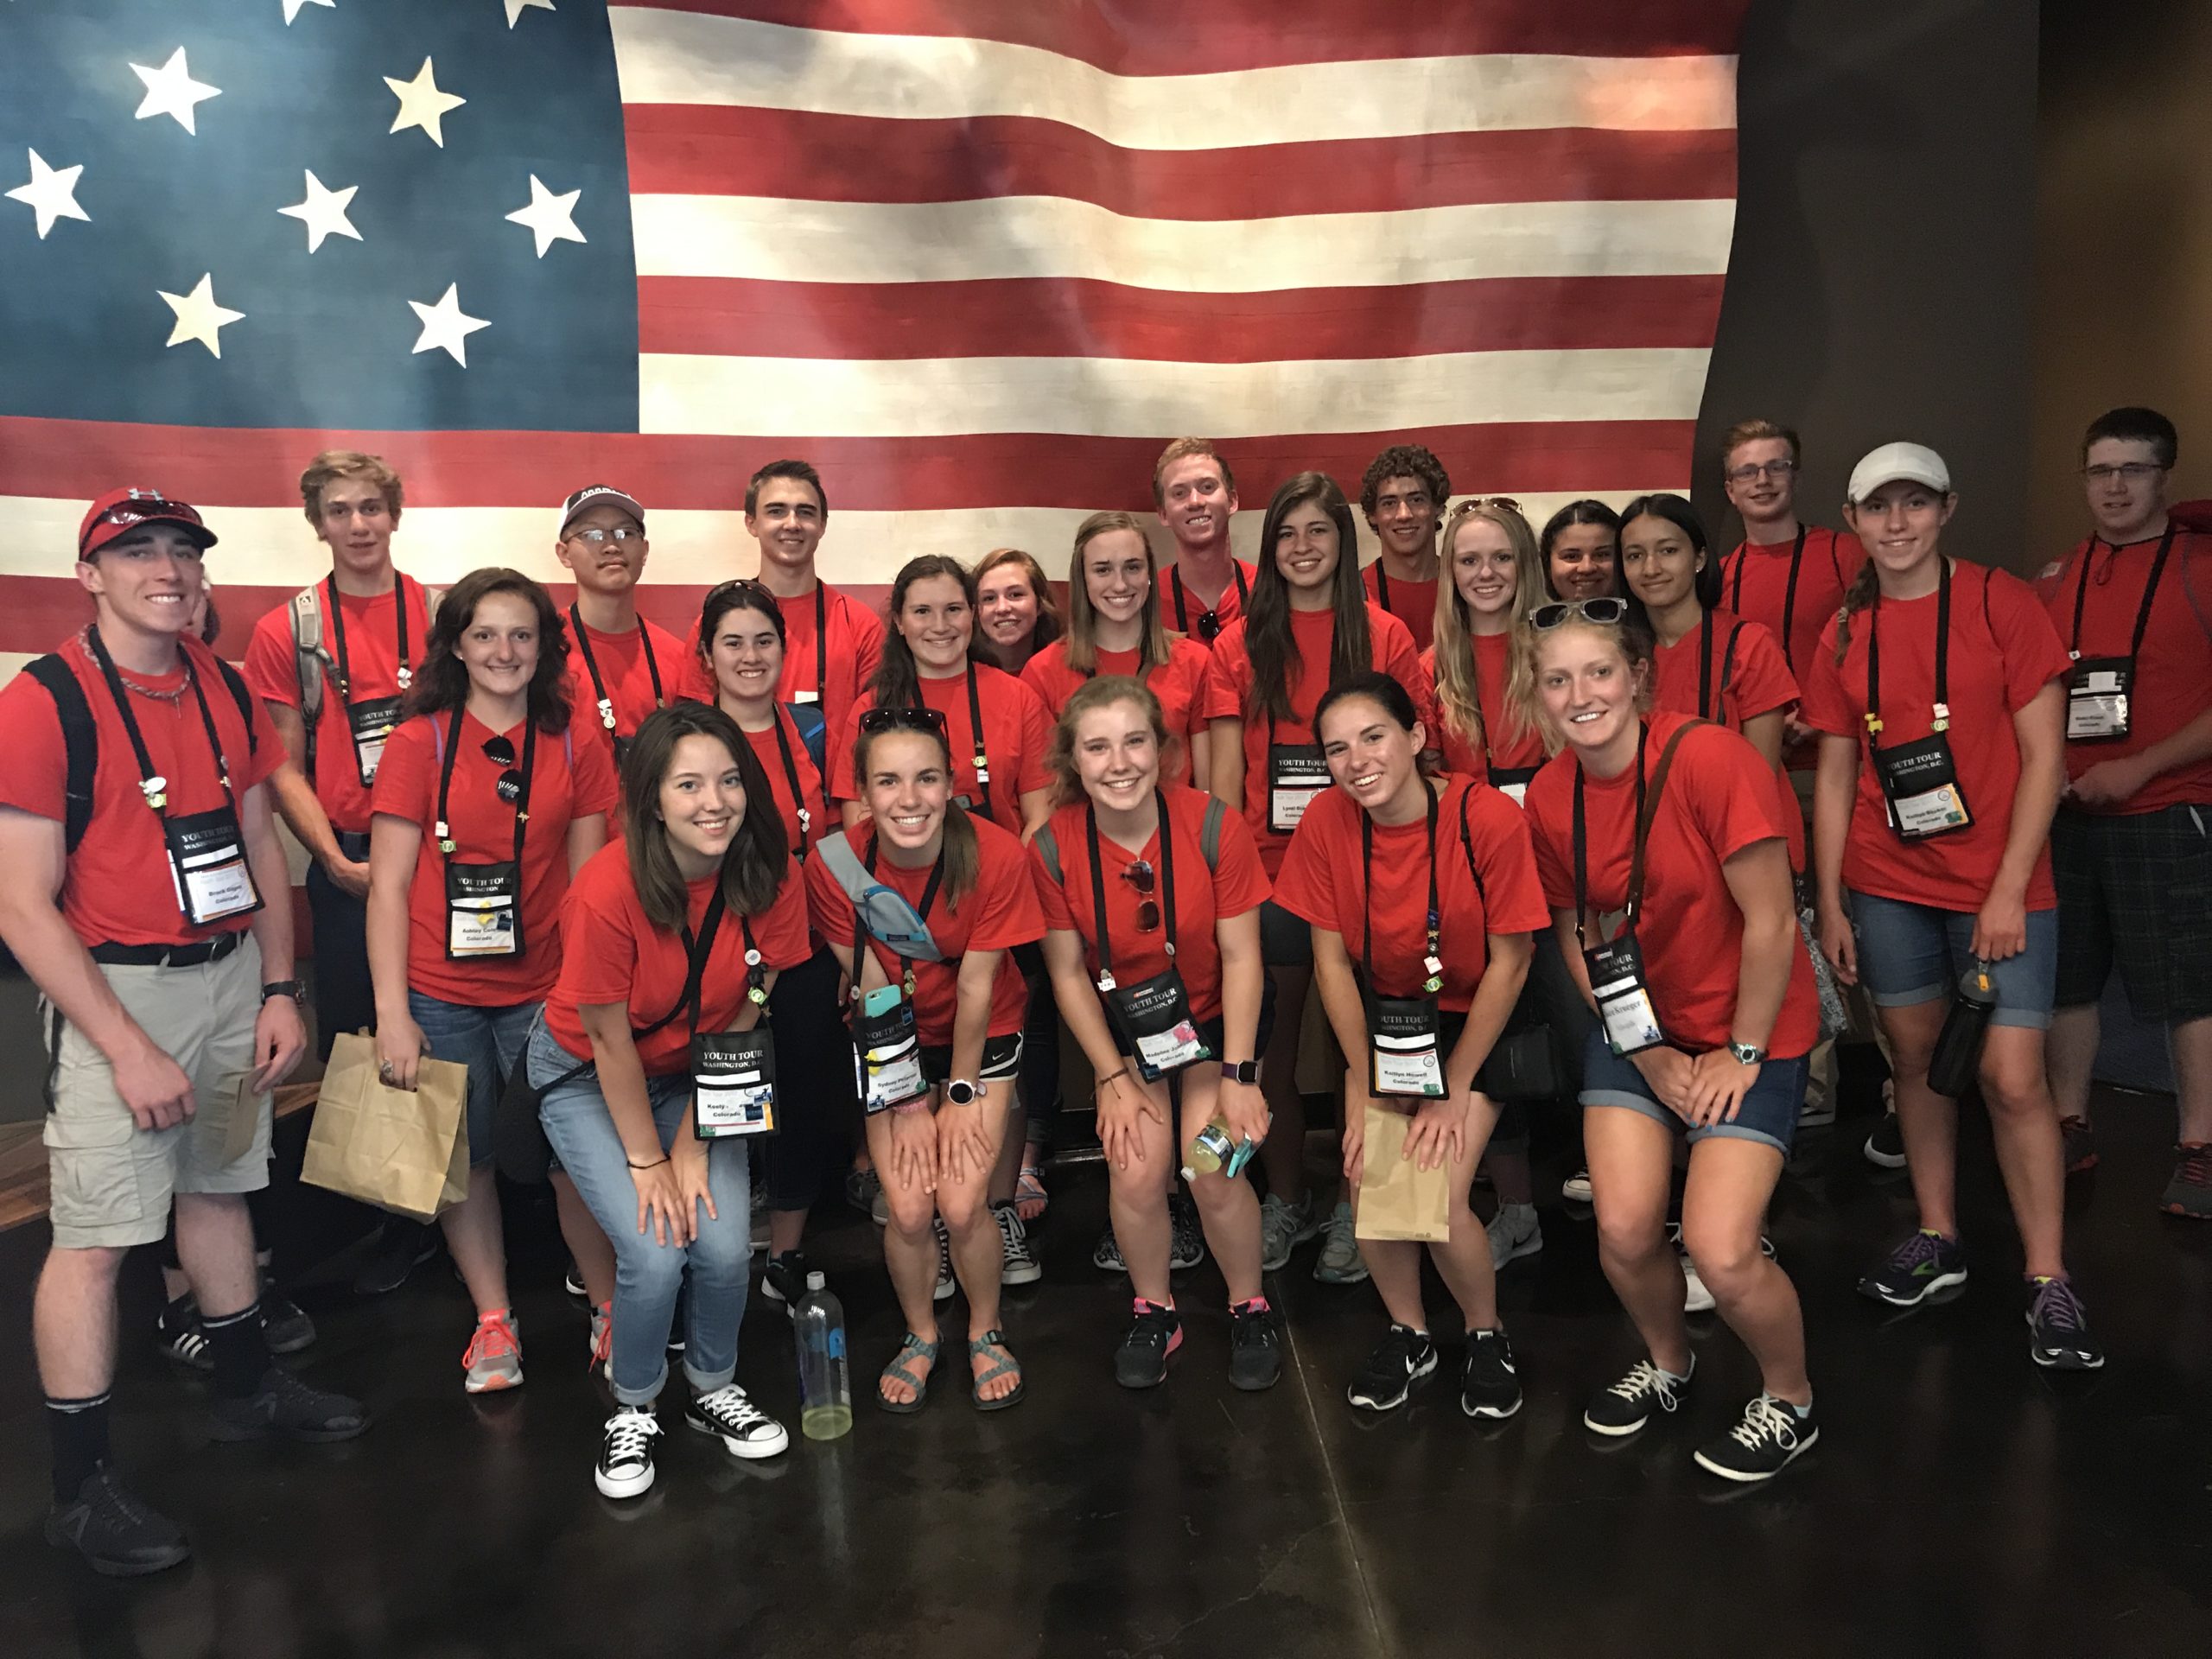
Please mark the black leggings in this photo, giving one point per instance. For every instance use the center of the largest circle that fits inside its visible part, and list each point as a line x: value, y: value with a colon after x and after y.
x: 814, y: 1079
x: 1040, y: 1048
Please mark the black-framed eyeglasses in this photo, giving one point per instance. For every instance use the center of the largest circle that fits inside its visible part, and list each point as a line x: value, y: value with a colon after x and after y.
x: 2128, y: 472
x: 902, y: 720
x: 1139, y: 874
x: 1606, y: 611
x: 1753, y: 471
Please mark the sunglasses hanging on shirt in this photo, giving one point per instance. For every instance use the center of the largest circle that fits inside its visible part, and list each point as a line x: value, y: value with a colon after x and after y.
x: 484, y: 898
x: 1153, y: 1017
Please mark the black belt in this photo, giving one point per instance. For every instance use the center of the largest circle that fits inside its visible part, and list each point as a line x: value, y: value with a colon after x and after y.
x: 166, y: 955
x: 354, y: 843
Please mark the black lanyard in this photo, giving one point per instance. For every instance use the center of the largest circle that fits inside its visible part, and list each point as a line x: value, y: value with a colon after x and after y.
x: 406, y: 675
x: 1641, y: 828
x: 922, y: 910
x: 1098, y: 883
x: 445, y: 843
x: 1942, y: 716
x: 1432, y: 982
x: 1705, y: 708
x: 152, y: 784
x: 598, y: 685
x: 1182, y: 613
x: 820, y: 643
x: 981, y: 761
x: 799, y: 812
x: 1789, y: 596
x: 696, y: 951
x: 2150, y: 589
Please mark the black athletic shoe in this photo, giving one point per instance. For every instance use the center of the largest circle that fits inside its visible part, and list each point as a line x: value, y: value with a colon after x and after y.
x: 288, y: 1407
x: 1399, y: 1360
x: 284, y: 1325
x: 402, y: 1247
x: 1766, y: 1442
x: 573, y: 1286
x: 1916, y: 1269
x: 1489, y: 1386
x: 1255, y: 1345
x: 1154, y: 1333
x: 179, y: 1333
x: 1885, y: 1145
x: 2061, y: 1340
x: 116, y: 1533
x: 1628, y: 1404
x: 783, y: 1280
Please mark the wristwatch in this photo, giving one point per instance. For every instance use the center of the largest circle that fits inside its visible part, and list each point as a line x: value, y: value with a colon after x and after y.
x: 1746, y: 1054
x: 1240, y: 1071
x: 960, y: 1092
x: 281, y: 988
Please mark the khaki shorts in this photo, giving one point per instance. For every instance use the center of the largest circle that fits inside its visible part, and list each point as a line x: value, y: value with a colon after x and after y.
x: 112, y: 1182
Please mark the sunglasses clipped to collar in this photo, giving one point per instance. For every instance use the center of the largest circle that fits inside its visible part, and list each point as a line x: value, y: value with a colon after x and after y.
x: 1605, y: 612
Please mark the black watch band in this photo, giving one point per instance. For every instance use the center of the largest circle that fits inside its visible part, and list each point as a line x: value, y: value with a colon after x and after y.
x: 281, y: 988
x: 1240, y: 1071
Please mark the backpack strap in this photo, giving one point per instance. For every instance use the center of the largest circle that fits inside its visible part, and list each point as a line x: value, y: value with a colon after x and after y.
x: 1210, y: 831
x: 1467, y: 841
x: 306, y: 611
x: 813, y: 728
x: 80, y: 739
x: 1727, y: 662
x: 1048, y: 849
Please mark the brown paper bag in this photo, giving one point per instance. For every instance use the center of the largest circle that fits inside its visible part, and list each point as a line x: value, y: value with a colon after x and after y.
x: 402, y: 1151
x: 242, y: 1125
x: 1397, y: 1197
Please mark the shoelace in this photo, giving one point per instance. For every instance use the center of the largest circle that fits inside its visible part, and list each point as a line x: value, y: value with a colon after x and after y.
x: 113, y: 1501
x: 730, y: 1407
x: 2057, y: 1306
x: 491, y: 1340
x: 1154, y: 1323
x: 1765, y: 1418
x: 2196, y: 1164
x: 1921, y: 1247
x: 1644, y: 1378
x: 602, y: 1340
x: 628, y: 1434
x: 1011, y: 1229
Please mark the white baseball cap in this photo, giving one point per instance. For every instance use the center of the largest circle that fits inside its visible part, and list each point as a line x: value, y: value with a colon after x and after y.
x: 1913, y: 463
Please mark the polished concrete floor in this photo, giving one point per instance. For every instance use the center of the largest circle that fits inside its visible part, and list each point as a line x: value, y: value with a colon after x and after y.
x: 1960, y: 1502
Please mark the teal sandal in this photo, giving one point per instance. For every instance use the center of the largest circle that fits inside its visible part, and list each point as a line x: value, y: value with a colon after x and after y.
x: 1011, y: 1367
x: 896, y: 1371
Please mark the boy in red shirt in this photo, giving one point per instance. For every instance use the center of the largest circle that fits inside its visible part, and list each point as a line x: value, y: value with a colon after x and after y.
x: 1404, y: 496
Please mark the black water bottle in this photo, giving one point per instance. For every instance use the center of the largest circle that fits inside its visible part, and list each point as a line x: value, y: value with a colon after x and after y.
x: 1957, y: 1059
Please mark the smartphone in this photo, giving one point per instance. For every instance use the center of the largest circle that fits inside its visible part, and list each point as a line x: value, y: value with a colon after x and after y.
x: 882, y: 1000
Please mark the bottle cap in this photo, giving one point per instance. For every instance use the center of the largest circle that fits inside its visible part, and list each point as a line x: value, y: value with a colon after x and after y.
x: 815, y: 1281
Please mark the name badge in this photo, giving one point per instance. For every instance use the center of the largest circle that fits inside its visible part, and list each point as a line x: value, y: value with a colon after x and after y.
x: 2097, y: 699
x: 372, y: 722
x: 733, y: 1084
x: 208, y: 866
x: 1154, y: 1019
x: 1296, y: 774
x: 1921, y: 784
x: 1403, y: 1060
x: 805, y: 696
x: 887, y: 1059
x: 1623, y: 995
x: 483, y: 910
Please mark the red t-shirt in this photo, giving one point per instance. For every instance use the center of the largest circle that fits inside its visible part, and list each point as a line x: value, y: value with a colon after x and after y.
x: 1202, y: 896
x: 611, y: 953
x: 114, y: 889
x: 1228, y: 689
x: 1755, y: 580
x: 1463, y: 754
x: 1182, y: 609
x: 1177, y: 683
x: 1719, y: 799
x: 837, y: 667
x: 1324, y: 881
x: 483, y: 829
x: 998, y: 913
x: 1413, y: 603
x: 1750, y: 678
x: 628, y: 675
x: 272, y: 668
x: 781, y: 780
x: 2003, y: 651
x: 2173, y: 675
x: 1017, y: 736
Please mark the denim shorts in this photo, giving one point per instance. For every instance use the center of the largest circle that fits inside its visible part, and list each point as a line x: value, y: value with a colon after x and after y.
x: 1768, y: 1113
x: 1911, y: 954
x: 489, y: 1041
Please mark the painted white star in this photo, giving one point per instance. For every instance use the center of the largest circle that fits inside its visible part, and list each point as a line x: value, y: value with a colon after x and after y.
x: 52, y: 194
x: 446, y: 325
x: 198, y: 316
x: 551, y: 218
x: 421, y: 105
x: 170, y: 90
x: 516, y: 8
x: 292, y: 8
x: 324, y: 211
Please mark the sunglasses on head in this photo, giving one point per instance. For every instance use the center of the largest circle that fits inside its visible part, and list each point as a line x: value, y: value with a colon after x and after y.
x: 1605, y: 612
x: 1138, y: 873
x: 1474, y: 501
x: 902, y: 720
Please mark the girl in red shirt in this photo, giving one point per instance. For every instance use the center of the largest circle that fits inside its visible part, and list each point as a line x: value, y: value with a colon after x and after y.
x: 1309, y: 624
x: 673, y: 942
x: 1486, y: 715
x: 1155, y: 951
x: 1433, y: 887
x: 1015, y: 605
x: 940, y: 1035
x: 1581, y: 547
x: 485, y: 803
x: 1661, y: 842
x: 1937, y: 691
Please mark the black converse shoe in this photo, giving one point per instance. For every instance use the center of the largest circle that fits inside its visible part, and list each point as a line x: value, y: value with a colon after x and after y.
x: 1761, y: 1446
x: 179, y: 1333
x: 1399, y: 1360
x: 1489, y: 1386
x: 116, y: 1533
x: 625, y: 1453
x: 1628, y: 1405
x: 745, y: 1430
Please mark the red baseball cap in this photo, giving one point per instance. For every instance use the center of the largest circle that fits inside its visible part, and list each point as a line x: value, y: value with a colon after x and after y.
x: 121, y: 511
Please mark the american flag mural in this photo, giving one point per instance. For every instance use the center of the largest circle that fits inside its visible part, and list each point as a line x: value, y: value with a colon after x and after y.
x: 978, y: 260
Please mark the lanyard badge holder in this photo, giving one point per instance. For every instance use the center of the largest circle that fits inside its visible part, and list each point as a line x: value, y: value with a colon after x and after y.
x: 1296, y: 774
x: 980, y: 761
x: 484, y: 900
x: 1153, y: 1017
x: 1920, y: 781
x: 887, y: 1043
x: 1404, y: 1058
x: 371, y: 722
x: 1618, y: 982
x: 606, y: 704
x: 732, y: 1073
x: 206, y: 850
x: 2100, y: 691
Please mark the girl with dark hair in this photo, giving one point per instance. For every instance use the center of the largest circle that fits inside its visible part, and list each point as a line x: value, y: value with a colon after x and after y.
x: 673, y: 942
x: 1581, y: 546
x: 1016, y: 613
x: 1421, y: 896
x: 1308, y: 626
x: 937, y: 1013
x: 484, y: 806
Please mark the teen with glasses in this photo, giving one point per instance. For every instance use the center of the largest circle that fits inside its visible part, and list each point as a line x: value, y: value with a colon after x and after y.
x: 1208, y: 587
x: 1403, y: 497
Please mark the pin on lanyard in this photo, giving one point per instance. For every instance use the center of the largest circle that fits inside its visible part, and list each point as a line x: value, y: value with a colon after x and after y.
x: 922, y: 910
x: 598, y: 685
x: 406, y: 675
x: 798, y: 790
x: 444, y: 830
x: 151, y: 784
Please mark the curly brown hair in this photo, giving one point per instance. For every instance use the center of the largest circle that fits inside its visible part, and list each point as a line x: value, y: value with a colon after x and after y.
x: 1405, y: 461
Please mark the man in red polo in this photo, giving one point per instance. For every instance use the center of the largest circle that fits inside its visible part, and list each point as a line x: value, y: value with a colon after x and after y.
x: 1205, y: 589
x: 143, y: 890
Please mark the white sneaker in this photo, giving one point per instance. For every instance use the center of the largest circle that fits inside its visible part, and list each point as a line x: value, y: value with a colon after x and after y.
x: 744, y: 1429
x: 1340, y: 1261
x: 625, y: 1454
x: 1514, y: 1232
x: 1283, y: 1227
x: 1696, y: 1299
x: 1575, y: 1189
x: 946, y: 1284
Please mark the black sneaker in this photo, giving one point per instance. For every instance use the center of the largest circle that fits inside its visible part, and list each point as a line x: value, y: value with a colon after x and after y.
x: 1186, y: 1245
x: 287, y: 1407
x: 2061, y: 1340
x: 1489, y: 1386
x: 1255, y: 1345
x: 402, y: 1247
x: 116, y: 1533
x: 1761, y: 1446
x: 744, y: 1429
x: 1885, y: 1145
x: 783, y: 1280
x: 284, y: 1323
x: 573, y: 1286
x: 1399, y: 1360
x: 1628, y: 1405
x: 179, y: 1333
x: 624, y: 1468
x: 1154, y: 1333
x: 1916, y: 1269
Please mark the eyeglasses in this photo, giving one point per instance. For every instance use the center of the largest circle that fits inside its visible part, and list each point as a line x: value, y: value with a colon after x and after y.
x: 500, y: 751
x: 1139, y: 875
x: 597, y: 538
x: 1606, y: 612
x: 2132, y: 472
x: 1755, y: 471
x: 902, y: 720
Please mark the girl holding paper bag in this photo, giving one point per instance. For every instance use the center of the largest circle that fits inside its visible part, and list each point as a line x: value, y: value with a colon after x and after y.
x: 1422, y: 894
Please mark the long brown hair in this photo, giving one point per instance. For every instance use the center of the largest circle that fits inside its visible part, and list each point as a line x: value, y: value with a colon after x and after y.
x: 444, y: 682
x: 961, y: 858
x: 898, y: 682
x: 1050, y: 623
x: 1091, y: 694
x: 759, y: 858
x: 1083, y: 615
x: 1268, y: 643
x: 1455, y: 652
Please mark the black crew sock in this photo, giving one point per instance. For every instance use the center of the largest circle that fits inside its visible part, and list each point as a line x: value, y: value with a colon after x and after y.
x: 241, y: 1351
x: 78, y: 1428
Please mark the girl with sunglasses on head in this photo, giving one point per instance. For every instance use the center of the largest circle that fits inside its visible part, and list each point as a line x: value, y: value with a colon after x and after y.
x: 1661, y: 840
x: 1581, y: 549
x: 1309, y: 625
x: 1939, y: 693
x: 1151, y: 894
x: 939, y: 1032
x: 1422, y: 894
x: 674, y: 941
x: 485, y: 804
x: 1016, y: 613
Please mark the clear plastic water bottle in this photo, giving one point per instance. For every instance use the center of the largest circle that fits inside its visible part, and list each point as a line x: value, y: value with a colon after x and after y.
x: 825, y: 1381
x: 1212, y: 1149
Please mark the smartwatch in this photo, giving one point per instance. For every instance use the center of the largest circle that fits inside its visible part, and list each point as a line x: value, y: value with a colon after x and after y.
x: 960, y: 1092
x: 281, y: 988
x: 1240, y: 1071
x: 1746, y: 1054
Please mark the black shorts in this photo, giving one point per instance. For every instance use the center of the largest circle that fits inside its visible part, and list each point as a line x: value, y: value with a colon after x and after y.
x: 2135, y: 893
x: 1001, y: 1059
x: 1286, y: 941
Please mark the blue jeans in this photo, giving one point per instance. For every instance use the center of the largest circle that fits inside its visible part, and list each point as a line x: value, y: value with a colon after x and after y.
x: 489, y: 1042
x: 1911, y: 954
x: 648, y: 1274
